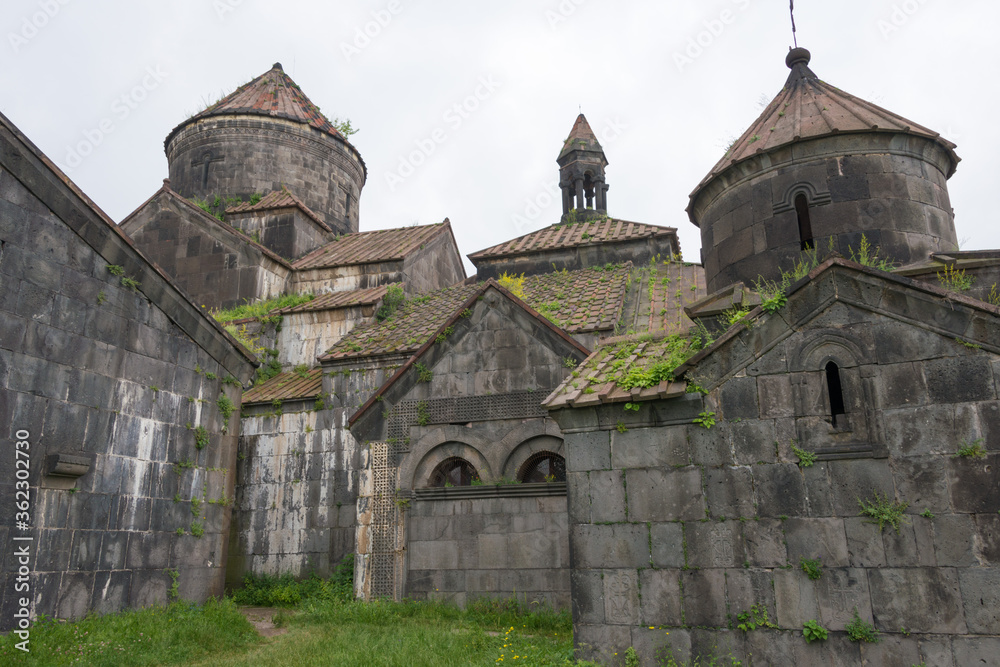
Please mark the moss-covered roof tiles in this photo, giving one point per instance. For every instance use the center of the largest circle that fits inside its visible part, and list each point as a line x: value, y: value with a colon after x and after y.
x: 381, y: 245
x: 288, y: 386
x: 562, y: 236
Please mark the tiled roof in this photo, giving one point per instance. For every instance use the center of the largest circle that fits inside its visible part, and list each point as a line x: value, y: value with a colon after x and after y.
x: 381, y: 245
x: 598, y: 377
x: 572, y: 235
x: 409, y: 328
x: 273, y: 94
x: 334, y: 300
x: 581, y: 137
x: 671, y: 286
x: 807, y: 108
x: 287, y: 387
x: 278, y: 199
x: 578, y: 301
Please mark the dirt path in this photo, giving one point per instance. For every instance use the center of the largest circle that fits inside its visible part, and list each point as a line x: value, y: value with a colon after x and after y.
x: 262, y: 619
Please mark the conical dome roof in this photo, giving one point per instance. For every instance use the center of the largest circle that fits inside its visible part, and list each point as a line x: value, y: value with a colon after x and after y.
x: 581, y: 137
x: 808, y: 108
x: 272, y: 94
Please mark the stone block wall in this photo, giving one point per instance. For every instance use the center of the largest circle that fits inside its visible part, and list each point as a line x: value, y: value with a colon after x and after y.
x: 462, y: 547
x: 288, y: 232
x: 254, y: 154
x: 211, y: 263
x: 110, y: 374
x: 677, y: 529
x: 890, y: 187
x: 295, y: 506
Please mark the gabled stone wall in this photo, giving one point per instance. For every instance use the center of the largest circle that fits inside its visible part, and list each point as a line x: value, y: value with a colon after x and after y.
x: 676, y: 529
x: 130, y: 459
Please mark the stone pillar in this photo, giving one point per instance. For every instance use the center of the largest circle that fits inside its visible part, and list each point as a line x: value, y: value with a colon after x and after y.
x: 567, y: 198
x: 604, y: 197
x: 581, y: 199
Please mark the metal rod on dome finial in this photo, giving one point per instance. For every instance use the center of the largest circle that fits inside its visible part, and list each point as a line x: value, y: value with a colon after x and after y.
x: 791, y: 12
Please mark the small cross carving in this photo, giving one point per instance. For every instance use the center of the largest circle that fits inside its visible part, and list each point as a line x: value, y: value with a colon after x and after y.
x: 204, y: 161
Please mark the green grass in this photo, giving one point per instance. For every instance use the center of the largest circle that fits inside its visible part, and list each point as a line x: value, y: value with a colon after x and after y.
x: 178, y: 634
x: 259, y: 310
x: 324, y: 627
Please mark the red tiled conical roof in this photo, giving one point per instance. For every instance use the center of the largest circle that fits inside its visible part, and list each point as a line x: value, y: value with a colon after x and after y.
x: 808, y: 108
x: 581, y: 137
x: 272, y: 94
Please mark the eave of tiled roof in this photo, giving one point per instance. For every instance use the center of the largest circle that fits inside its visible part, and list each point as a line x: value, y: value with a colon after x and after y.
x: 808, y: 108
x: 380, y: 245
x: 559, y: 236
x: 288, y: 386
x: 278, y: 199
x: 334, y: 300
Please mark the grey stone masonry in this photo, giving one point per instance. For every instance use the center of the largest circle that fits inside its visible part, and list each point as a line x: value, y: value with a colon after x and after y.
x: 128, y: 398
x: 706, y: 524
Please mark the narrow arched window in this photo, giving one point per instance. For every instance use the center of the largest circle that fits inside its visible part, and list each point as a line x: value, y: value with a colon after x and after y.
x: 543, y: 467
x: 453, y: 472
x: 835, y: 391
x: 805, y: 227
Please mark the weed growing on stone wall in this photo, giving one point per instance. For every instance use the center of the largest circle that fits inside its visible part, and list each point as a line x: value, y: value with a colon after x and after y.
x: 226, y: 409
x: 813, y: 631
x: 131, y: 283
x: 812, y: 568
x: 620, y: 427
x: 180, y: 466
x: 861, y: 631
x: 211, y: 376
x: 570, y: 362
x: 881, y: 510
x: 753, y: 618
x: 993, y: 297
x: 276, y: 410
x: 200, y: 437
x: 197, y: 529
x: 116, y: 270
x: 195, y: 506
x: 631, y: 658
x: 772, y: 294
x: 101, y: 297
x: 424, y: 374
x: 230, y: 380
x: 423, y: 415
x: 634, y: 407
x: 971, y: 346
x: 868, y: 256
x: 443, y: 336
x: 705, y: 419
x: 173, y: 593
x: 806, y: 459
x: 971, y: 450
x: 302, y: 370
x: 927, y: 514
x: 954, y: 279
x: 320, y: 403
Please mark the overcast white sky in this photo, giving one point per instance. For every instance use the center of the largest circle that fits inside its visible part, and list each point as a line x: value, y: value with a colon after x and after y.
x: 70, y: 67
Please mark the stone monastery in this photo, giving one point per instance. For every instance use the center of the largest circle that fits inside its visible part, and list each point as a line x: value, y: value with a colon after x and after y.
x: 590, y: 422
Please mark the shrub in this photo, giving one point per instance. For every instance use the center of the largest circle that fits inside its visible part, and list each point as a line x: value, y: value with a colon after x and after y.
x: 861, y: 631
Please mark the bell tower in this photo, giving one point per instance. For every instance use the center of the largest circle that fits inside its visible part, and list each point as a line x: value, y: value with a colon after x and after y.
x: 581, y: 174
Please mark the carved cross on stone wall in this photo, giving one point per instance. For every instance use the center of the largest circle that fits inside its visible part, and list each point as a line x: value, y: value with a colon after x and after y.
x: 204, y: 161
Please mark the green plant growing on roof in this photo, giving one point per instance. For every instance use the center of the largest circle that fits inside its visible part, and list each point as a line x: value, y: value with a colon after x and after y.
x: 882, y: 510
x: 772, y: 294
x: 868, y: 256
x: 391, y: 302
x: 954, y: 279
x: 735, y: 314
x: 993, y: 297
x: 302, y: 370
x: 570, y: 362
x: 512, y: 283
